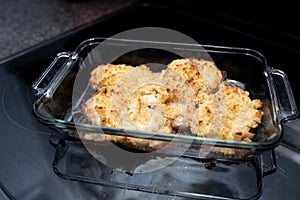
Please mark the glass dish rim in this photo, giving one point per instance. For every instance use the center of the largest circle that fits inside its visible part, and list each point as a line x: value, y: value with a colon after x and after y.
x: 64, y: 124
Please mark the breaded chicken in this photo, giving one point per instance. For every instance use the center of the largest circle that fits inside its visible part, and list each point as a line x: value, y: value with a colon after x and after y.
x: 242, y: 114
x: 106, y: 76
x: 143, y: 102
x: 140, y: 101
x: 203, y: 76
x: 98, y: 109
x: 209, y: 72
x: 190, y: 93
x: 229, y: 114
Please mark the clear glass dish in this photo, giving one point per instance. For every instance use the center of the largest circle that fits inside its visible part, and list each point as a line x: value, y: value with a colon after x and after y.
x: 248, y: 68
x: 185, y: 178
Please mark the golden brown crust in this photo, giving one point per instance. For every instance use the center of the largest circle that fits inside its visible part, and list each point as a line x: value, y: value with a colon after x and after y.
x: 138, y: 99
x: 106, y: 76
x: 202, y: 75
x: 143, y: 102
x: 135, y: 103
x: 236, y: 112
x: 242, y: 114
x: 98, y: 109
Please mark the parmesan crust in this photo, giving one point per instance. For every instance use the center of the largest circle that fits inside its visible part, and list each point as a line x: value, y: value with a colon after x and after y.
x: 229, y: 114
x: 202, y: 75
x: 105, y: 77
x: 190, y: 93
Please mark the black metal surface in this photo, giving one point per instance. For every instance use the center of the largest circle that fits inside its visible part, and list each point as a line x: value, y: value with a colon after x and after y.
x: 26, y: 153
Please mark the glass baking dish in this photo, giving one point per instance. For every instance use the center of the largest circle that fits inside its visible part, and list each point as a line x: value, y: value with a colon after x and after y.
x: 202, y: 180
x: 244, y: 67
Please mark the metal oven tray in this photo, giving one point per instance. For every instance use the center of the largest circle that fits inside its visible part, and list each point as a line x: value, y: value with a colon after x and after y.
x: 56, y: 106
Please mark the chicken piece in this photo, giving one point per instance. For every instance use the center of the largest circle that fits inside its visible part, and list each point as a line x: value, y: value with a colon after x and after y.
x: 242, y: 114
x: 106, y: 76
x: 203, y: 76
x: 209, y: 72
x: 98, y: 109
x: 140, y: 101
x: 229, y: 114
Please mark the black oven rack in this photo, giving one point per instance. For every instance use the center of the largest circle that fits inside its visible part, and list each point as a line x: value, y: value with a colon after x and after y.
x: 186, y: 178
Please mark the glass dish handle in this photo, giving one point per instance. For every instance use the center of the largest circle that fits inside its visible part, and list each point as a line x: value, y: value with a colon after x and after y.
x: 269, y: 164
x: 286, y: 101
x: 48, y: 81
